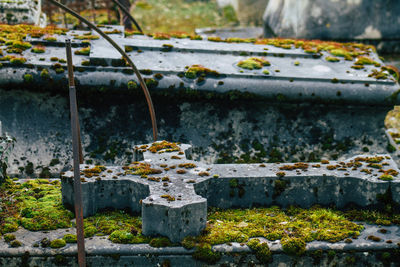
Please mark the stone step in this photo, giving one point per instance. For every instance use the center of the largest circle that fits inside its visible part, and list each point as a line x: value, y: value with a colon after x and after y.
x: 173, y: 193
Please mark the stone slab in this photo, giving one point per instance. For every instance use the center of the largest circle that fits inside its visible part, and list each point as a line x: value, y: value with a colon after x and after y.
x: 176, y: 204
x: 101, y: 252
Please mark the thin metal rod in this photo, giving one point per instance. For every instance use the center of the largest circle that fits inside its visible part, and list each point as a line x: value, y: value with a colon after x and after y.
x: 71, y: 81
x: 128, y: 14
x: 125, y: 56
x: 75, y: 149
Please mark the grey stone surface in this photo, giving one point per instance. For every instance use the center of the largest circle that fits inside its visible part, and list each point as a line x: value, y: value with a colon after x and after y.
x: 334, y: 19
x: 176, y: 203
x: 295, y: 114
x: 101, y: 252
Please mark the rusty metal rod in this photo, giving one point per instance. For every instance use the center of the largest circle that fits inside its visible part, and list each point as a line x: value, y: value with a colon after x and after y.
x: 76, y: 155
x: 126, y: 12
x: 71, y: 81
x: 125, y: 56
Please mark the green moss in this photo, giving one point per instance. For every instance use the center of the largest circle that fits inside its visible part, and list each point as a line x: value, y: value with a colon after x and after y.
x: 21, y: 45
x: 339, y: 52
x: 262, y: 251
x: 141, y: 168
x: 332, y: 59
x: 293, y: 245
x: 122, y: 237
x: 233, y: 183
x: 125, y: 237
x: 38, y: 49
x: 253, y: 63
x: 15, y: 244
x: 386, y: 177
x: 266, y: 72
x: 150, y: 82
x: 17, y: 60
x: 362, y: 60
x: 390, y: 148
x: 132, y: 85
x: 296, y: 63
x: 205, y: 253
x: 70, y: 238
x: 160, y: 242
x: 59, y: 70
x: 279, y: 187
x: 83, y: 51
x: 45, y: 74
x: 195, y: 71
x: 10, y: 225
x: 58, y: 243
x: 50, y: 38
x: 189, y: 242
x: 146, y: 71
x: 90, y: 231
x: 9, y: 237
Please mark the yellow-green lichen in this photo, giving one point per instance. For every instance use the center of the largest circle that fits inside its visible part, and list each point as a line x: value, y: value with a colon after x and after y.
x: 332, y: 59
x: 262, y: 251
x: 45, y: 74
x: 28, y: 78
x: 38, y: 49
x: 132, y: 85
x: 83, y: 51
x: 163, y: 146
x: 141, y: 168
x: 293, y: 245
x: 58, y: 243
x: 195, y: 71
x: 253, y: 63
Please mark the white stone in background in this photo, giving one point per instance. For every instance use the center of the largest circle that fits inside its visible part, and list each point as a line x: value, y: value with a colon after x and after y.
x: 247, y: 11
x: 334, y: 19
x: 22, y: 11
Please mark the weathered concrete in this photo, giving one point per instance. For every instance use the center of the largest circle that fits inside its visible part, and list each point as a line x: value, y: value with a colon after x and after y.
x: 175, y: 205
x: 241, y: 115
x: 101, y: 252
x: 22, y: 11
x: 335, y: 20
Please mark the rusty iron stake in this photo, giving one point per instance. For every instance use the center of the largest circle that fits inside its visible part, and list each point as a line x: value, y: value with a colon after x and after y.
x: 125, y: 56
x: 126, y: 12
x: 77, y: 159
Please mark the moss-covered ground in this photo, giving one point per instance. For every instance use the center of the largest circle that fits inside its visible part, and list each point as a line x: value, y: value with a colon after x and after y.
x: 36, y: 205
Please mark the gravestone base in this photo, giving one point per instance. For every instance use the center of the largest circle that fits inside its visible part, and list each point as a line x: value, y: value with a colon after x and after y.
x: 178, y: 190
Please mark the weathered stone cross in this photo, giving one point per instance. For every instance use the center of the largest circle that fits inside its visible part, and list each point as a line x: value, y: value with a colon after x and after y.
x: 173, y: 193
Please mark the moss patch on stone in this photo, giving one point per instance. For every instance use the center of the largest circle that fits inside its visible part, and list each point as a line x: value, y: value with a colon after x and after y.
x: 195, y: 71
x: 253, y: 63
x: 70, y: 238
x: 39, y: 206
x: 58, y: 243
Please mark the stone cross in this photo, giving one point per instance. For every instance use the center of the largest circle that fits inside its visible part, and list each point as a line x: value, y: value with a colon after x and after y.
x: 173, y: 192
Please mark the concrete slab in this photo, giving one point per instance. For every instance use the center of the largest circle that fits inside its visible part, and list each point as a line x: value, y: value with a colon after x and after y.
x: 179, y: 190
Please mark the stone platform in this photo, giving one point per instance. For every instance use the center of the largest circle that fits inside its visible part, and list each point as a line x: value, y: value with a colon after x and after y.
x: 173, y: 193
x: 302, y: 107
x: 101, y: 252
